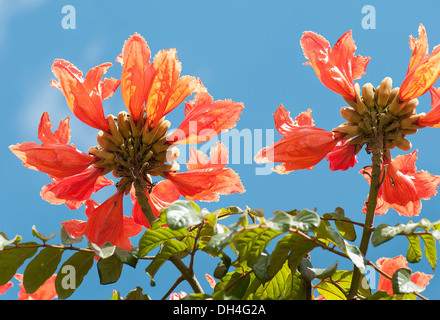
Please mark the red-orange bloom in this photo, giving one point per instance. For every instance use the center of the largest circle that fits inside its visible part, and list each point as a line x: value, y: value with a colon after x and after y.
x: 106, y: 223
x: 302, y: 146
x: 342, y: 157
x: 54, y: 156
x: 336, y: 67
x: 205, y: 119
x: 205, y: 180
x: 423, y: 70
x: 84, y: 96
x: 76, y: 189
x: 6, y: 287
x: 46, y: 292
x: 133, y: 146
x: 391, y: 265
x: 432, y: 118
x: 403, y: 187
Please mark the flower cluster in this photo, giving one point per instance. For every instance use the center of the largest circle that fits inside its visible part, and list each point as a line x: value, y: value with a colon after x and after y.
x: 135, y: 145
x: 381, y: 113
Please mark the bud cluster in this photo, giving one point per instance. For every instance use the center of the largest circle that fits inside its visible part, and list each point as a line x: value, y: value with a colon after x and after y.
x: 379, y: 112
x: 134, y: 151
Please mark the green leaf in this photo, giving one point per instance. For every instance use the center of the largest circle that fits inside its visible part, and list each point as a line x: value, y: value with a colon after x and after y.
x: 291, y: 241
x: 221, y: 240
x: 109, y: 269
x: 233, y: 284
x: 414, y: 253
x: 306, y: 269
x: 72, y: 273
x: 66, y: 239
x: 168, y: 248
x: 282, y: 221
x: 250, y: 243
x: 260, y: 268
x: 223, y: 266
x: 356, y: 256
x: 12, y: 259
x: 137, y: 294
x: 129, y: 257
x: 41, y: 268
x: 299, y: 248
x: 384, y: 233
x: 306, y: 220
x: 325, y: 232
x: 340, y: 286
x: 154, y: 237
x: 41, y: 236
x: 430, y: 249
x: 343, y: 224
x: 278, y: 288
x: 259, y: 213
x: 325, y: 273
x: 4, y: 241
x: 242, y: 221
x: 402, y: 283
x: 182, y: 214
x: 105, y: 251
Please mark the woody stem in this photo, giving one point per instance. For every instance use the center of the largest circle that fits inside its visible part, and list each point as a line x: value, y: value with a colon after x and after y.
x: 376, y: 173
x: 148, y: 212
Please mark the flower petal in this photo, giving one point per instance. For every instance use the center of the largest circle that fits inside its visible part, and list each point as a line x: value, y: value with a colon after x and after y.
x: 199, y: 160
x: 302, y: 148
x: 206, y: 184
x: 135, y: 59
x: 334, y: 69
x: 57, y: 160
x: 206, y: 119
x: 389, y: 266
x: 163, y: 76
x: 83, y: 96
x: 76, y: 189
x: 426, y: 184
x: 45, y: 134
x: 423, y: 70
x: 75, y: 228
x: 106, y: 221
x: 400, y: 192
x: 6, y: 287
x: 342, y: 157
x: 166, y: 88
x: 285, y: 124
x: 419, y: 47
x: 108, y: 87
x: 432, y: 118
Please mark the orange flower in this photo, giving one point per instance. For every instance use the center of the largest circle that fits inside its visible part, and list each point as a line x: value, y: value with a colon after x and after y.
x: 432, y: 118
x: 45, y: 292
x: 336, y: 67
x: 391, y: 265
x: 342, y: 157
x: 84, y: 96
x: 423, y: 70
x: 106, y: 223
x: 302, y: 146
x: 403, y: 187
x: 205, y: 180
x: 134, y: 145
x: 6, y: 287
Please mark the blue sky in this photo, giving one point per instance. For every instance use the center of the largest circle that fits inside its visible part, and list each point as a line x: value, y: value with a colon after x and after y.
x: 247, y: 51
